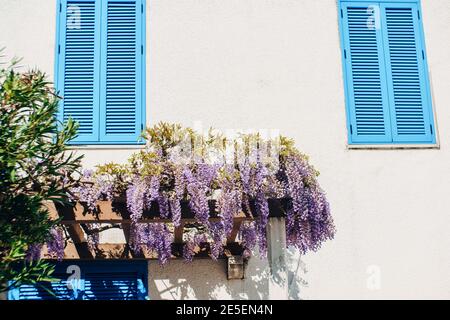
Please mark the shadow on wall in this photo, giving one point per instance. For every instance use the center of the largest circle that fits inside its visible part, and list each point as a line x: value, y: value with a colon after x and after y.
x: 206, y: 279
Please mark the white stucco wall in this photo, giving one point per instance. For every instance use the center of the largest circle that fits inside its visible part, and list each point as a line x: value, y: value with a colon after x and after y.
x: 277, y: 64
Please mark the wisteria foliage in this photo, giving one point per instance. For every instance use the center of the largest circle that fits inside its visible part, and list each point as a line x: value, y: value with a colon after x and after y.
x: 179, y: 164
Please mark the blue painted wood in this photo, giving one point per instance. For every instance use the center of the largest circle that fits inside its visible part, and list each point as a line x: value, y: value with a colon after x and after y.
x: 366, y: 87
x: 100, y: 280
x: 78, y: 66
x: 382, y: 1
x: 386, y: 81
x: 121, y: 117
x: 99, y: 69
x: 409, y: 91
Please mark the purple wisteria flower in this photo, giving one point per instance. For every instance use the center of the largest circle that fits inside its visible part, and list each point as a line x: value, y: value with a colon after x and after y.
x: 248, y: 176
x: 248, y: 237
x: 163, y: 203
x: 308, y: 222
x: 175, y: 210
x: 159, y: 239
x: 193, y: 242
x: 198, y: 199
x: 55, y: 245
x: 218, y: 236
x: 34, y: 252
x: 135, y: 199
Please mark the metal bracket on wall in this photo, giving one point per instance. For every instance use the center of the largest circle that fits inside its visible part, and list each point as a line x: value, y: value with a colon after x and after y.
x: 235, y: 267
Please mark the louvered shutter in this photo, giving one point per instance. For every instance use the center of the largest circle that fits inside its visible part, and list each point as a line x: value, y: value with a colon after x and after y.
x: 116, y: 285
x: 367, y: 99
x: 121, y: 71
x: 100, y: 280
x: 408, y: 84
x: 44, y: 291
x: 78, y: 63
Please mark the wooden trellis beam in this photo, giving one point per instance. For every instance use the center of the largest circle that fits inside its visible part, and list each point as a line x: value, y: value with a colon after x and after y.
x: 178, y: 233
x: 76, y: 233
x: 236, y: 226
x: 110, y: 212
x: 109, y: 251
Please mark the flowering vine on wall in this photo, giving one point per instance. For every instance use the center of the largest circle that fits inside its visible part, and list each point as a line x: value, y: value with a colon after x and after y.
x: 240, y: 173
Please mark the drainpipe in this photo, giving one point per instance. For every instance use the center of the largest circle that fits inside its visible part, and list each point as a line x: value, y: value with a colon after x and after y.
x: 276, y: 254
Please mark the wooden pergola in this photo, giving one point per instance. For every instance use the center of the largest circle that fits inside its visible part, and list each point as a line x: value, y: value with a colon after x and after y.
x: 78, y: 219
x: 110, y: 212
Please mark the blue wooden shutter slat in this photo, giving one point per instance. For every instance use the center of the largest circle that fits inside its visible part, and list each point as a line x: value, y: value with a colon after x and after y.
x: 411, y: 112
x: 121, y: 71
x: 366, y: 87
x: 78, y: 66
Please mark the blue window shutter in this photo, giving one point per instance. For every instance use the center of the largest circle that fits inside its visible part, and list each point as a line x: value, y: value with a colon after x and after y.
x: 121, y: 105
x: 114, y: 285
x: 100, y: 280
x: 77, y: 68
x: 365, y: 78
x: 408, y: 83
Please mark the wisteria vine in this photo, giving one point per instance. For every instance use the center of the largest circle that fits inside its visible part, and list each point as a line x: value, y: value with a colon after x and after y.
x: 179, y: 165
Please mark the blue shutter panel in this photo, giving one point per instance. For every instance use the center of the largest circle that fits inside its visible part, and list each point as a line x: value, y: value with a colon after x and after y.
x: 121, y: 71
x: 113, y: 286
x: 100, y: 280
x: 78, y: 66
x: 367, y: 99
x: 409, y: 95
x: 32, y: 292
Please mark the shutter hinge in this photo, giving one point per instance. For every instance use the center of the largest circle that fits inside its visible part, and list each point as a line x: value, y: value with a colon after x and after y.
x: 142, y: 8
x: 351, y: 129
x: 431, y: 128
x: 342, y: 13
x: 142, y: 49
x: 142, y: 127
x: 418, y: 14
x: 423, y: 55
x: 59, y: 48
x: 60, y: 7
x: 345, y: 54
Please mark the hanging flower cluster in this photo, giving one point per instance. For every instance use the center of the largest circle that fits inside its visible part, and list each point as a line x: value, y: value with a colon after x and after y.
x: 233, y: 174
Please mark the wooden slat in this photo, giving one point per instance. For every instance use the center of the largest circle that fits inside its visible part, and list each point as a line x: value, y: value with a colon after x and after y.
x: 237, y: 221
x: 77, y: 235
x: 178, y: 233
x: 113, y: 251
x: 75, y: 232
x: 116, y: 212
